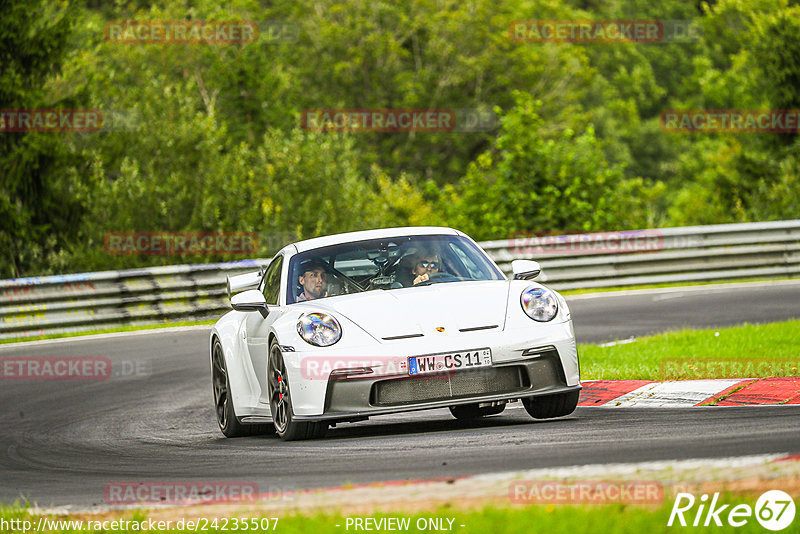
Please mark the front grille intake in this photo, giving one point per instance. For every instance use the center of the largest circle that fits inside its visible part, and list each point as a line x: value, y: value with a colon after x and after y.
x: 452, y: 385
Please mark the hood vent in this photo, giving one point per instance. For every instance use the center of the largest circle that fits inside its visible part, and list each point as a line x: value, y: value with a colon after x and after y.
x: 474, y: 328
x: 406, y: 336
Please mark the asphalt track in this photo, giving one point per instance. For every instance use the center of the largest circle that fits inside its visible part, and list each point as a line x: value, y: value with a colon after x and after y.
x: 61, y: 442
x: 620, y: 315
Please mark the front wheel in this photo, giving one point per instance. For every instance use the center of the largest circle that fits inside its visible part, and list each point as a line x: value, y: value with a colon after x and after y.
x: 549, y: 406
x: 280, y: 402
x: 223, y: 403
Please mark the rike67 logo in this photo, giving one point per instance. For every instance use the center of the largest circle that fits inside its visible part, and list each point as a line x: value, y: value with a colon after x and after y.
x: 774, y: 510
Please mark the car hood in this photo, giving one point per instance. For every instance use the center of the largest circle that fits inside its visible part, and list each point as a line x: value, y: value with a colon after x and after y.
x: 426, y: 310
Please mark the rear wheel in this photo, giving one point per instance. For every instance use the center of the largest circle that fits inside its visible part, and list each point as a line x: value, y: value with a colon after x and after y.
x: 548, y: 406
x: 280, y: 402
x: 466, y: 412
x: 223, y: 404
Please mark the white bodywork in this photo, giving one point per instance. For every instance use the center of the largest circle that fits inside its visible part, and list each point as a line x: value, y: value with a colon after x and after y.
x: 435, y: 314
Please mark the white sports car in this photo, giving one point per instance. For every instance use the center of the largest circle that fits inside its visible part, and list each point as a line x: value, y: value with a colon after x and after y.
x: 344, y: 327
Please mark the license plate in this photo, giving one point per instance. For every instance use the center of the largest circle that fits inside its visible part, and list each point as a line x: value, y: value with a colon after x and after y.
x: 436, y: 363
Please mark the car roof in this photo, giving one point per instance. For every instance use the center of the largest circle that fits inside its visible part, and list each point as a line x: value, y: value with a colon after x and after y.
x: 337, y: 239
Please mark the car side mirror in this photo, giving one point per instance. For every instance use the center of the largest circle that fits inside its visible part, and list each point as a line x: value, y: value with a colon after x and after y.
x: 252, y: 300
x: 243, y: 282
x: 525, y: 269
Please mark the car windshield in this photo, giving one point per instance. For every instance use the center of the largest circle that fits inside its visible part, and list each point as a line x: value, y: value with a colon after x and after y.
x: 388, y: 263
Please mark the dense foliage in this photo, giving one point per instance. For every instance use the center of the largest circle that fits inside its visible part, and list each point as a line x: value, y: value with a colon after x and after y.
x: 208, y: 137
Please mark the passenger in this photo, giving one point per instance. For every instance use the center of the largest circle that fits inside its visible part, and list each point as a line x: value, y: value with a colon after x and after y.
x: 427, y: 263
x: 313, y: 279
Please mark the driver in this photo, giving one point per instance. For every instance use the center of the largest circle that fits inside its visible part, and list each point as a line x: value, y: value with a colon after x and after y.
x: 427, y: 263
x: 313, y: 279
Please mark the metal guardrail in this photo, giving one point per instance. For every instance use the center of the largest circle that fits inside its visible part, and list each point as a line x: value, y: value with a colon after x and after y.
x: 78, y: 302
x: 694, y: 253
x: 86, y: 301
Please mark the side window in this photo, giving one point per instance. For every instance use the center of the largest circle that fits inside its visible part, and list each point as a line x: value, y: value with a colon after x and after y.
x: 272, y: 281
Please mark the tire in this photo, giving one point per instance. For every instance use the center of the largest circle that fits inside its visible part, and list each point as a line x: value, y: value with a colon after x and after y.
x: 223, y: 404
x: 467, y: 412
x: 280, y: 402
x: 549, y: 406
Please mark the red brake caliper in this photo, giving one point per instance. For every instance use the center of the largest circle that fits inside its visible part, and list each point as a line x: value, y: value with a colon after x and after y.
x: 280, y: 386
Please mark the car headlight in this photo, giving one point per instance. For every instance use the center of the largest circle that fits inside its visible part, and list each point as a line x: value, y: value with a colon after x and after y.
x: 319, y: 329
x: 539, y: 303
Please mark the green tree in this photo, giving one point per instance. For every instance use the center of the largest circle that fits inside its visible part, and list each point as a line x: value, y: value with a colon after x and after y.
x: 530, y: 182
x: 39, y: 208
x: 750, y: 60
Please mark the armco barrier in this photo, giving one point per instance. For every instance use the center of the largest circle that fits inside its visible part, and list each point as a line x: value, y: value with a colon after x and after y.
x: 85, y: 301
x: 71, y: 303
x: 694, y: 253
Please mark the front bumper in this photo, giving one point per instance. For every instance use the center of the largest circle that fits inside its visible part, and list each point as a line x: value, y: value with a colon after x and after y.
x: 530, y: 349
x: 540, y: 373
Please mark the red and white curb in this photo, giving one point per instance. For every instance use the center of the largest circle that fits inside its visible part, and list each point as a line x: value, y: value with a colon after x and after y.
x: 683, y: 393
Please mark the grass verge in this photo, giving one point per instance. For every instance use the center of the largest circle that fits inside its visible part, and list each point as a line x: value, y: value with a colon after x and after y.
x: 748, y: 351
x: 553, y: 519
